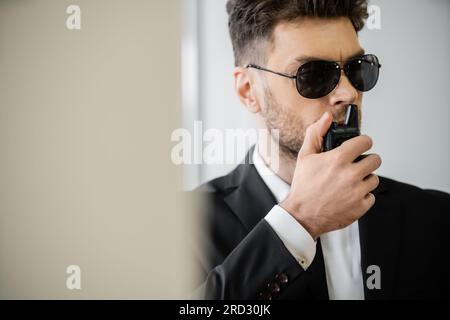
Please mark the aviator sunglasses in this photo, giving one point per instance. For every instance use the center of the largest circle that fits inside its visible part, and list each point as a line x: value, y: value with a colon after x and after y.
x: 317, y: 78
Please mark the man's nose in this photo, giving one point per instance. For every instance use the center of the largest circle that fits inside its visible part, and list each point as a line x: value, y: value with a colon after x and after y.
x: 344, y: 93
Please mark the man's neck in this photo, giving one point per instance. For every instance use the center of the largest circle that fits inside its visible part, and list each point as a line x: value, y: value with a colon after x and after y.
x: 281, y: 163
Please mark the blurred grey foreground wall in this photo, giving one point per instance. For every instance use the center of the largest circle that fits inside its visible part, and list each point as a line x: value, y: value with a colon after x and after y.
x: 85, y: 171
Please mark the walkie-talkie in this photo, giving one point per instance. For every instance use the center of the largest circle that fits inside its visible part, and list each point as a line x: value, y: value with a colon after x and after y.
x: 339, y: 133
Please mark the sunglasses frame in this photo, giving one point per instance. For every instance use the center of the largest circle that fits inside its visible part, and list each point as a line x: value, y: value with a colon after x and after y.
x: 336, y: 63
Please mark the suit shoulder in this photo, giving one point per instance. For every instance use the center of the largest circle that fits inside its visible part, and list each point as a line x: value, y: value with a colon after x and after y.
x: 213, y: 196
x: 414, y: 193
x: 220, y: 187
x: 224, y: 185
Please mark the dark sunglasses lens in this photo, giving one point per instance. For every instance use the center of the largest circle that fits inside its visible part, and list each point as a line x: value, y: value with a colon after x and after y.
x: 363, y: 72
x: 317, y: 79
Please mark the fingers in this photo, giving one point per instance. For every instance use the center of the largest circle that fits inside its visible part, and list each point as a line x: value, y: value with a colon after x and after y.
x: 370, y: 183
x: 353, y: 148
x: 314, y: 135
x: 364, y: 205
x: 364, y: 197
x: 368, y: 202
x: 367, y: 165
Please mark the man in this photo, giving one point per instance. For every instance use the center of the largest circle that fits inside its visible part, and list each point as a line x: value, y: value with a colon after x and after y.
x: 308, y: 224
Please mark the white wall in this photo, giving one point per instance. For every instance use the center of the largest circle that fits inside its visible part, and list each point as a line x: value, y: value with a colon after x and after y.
x: 407, y: 114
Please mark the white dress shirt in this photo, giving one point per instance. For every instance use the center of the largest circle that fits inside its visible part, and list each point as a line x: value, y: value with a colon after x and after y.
x: 341, y: 249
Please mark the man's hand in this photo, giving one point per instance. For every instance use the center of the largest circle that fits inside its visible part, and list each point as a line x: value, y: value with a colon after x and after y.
x: 329, y: 190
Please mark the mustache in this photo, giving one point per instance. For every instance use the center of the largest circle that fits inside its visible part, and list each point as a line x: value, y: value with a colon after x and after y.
x: 341, y: 116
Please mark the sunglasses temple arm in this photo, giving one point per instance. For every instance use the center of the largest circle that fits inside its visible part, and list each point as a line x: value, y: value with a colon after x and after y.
x: 267, y: 70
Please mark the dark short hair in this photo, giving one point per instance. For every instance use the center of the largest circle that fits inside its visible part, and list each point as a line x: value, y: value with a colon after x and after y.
x: 251, y: 22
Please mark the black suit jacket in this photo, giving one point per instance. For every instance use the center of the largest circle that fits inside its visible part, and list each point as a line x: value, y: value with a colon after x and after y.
x: 406, y: 234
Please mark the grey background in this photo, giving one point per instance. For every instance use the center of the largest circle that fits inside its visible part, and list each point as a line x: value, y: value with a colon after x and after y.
x: 407, y: 114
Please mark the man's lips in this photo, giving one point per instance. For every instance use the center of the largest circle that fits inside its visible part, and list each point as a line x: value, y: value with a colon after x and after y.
x: 339, y: 119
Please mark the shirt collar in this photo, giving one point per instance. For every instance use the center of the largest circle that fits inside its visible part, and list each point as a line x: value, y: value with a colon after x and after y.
x: 276, y: 185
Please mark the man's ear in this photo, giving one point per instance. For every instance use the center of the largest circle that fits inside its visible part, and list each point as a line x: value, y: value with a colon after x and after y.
x: 245, y: 89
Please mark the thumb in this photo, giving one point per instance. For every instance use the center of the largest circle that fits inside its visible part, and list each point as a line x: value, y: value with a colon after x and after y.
x: 314, y: 135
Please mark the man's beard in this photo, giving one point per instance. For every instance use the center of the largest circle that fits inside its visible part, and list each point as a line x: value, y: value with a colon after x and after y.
x: 291, y: 133
x: 291, y: 130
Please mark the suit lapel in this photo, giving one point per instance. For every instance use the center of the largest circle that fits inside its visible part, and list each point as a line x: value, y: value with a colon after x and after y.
x: 252, y: 199
x: 379, y: 234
